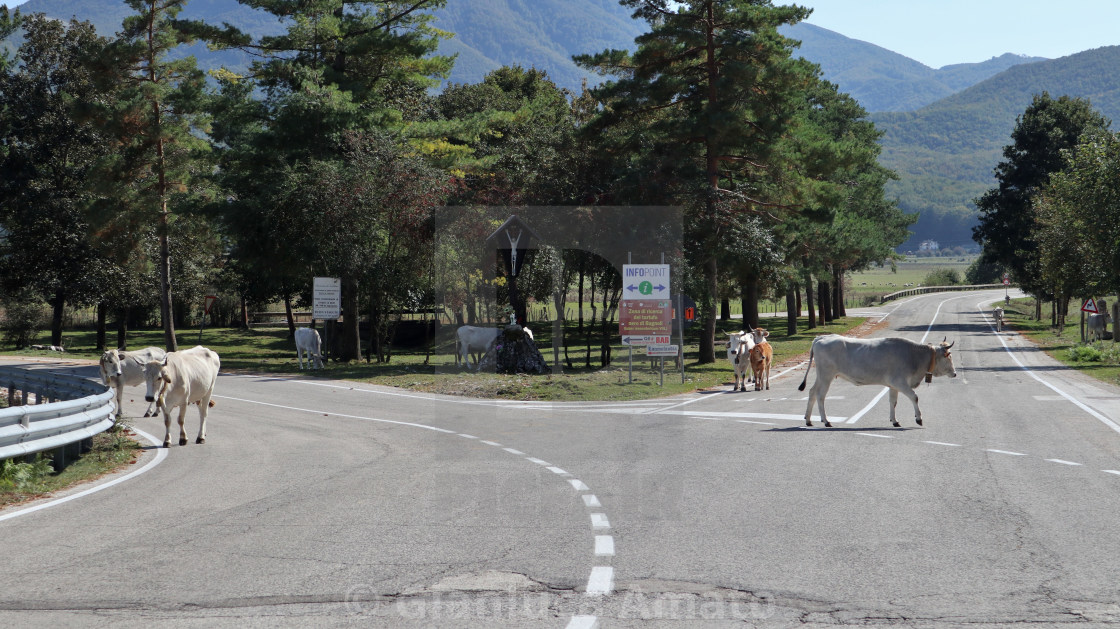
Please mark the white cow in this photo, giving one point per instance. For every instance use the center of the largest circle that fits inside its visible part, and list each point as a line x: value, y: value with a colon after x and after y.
x: 897, y: 363
x: 120, y: 368
x: 469, y: 338
x: 742, y: 364
x: 180, y: 379
x: 758, y: 335
x: 737, y: 341
x: 997, y: 314
x: 1097, y: 324
x: 309, y: 343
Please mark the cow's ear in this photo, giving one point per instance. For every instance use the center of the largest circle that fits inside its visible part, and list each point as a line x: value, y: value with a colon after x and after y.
x: 165, y: 376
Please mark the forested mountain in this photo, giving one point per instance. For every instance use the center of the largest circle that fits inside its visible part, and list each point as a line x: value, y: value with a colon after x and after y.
x: 882, y: 80
x: 945, y: 152
x: 944, y: 127
x: 487, y: 33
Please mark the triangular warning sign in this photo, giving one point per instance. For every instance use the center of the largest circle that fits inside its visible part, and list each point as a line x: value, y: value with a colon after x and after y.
x: 210, y: 299
x: 1090, y: 306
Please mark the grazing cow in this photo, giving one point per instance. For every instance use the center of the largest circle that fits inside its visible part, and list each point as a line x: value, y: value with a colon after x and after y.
x: 892, y: 362
x: 761, y: 357
x: 309, y: 343
x: 469, y: 338
x: 180, y: 379
x: 120, y: 368
x: 997, y: 314
x: 1097, y: 325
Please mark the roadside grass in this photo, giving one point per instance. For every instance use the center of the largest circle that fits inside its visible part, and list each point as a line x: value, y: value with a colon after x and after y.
x: 269, y: 351
x: 23, y: 481
x: 1100, y: 360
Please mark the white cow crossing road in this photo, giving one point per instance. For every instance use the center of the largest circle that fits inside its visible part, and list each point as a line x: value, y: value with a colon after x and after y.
x: 319, y: 503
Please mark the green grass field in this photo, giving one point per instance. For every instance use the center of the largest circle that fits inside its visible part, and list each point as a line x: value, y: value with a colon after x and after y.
x: 269, y: 351
x: 876, y: 282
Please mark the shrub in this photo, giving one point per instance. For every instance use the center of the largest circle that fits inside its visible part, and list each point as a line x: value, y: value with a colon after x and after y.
x: 1085, y: 354
x: 23, y: 319
x: 17, y: 475
x: 942, y: 277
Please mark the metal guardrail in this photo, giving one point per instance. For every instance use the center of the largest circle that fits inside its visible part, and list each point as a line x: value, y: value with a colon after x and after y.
x: 80, y: 409
x: 920, y: 290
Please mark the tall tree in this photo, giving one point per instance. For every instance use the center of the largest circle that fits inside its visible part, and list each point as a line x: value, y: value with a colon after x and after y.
x: 340, y: 66
x: 1078, y: 221
x: 46, y: 160
x: 714, y: 87
x: 1006, y: 223
x: 157, y: 124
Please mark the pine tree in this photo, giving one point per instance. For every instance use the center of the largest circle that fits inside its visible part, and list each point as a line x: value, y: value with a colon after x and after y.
x: 715, y: 87
x: 159, y: 155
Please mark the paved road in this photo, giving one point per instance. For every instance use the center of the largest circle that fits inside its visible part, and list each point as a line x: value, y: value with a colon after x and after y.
x: 318, y: 503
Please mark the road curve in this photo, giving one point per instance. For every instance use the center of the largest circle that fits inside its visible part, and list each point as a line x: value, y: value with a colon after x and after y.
x: 330, y: 503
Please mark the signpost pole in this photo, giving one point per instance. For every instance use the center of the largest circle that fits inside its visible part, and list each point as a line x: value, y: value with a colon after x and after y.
x: 630, y: 346
x: 661, y: 379
x: 680, y: 327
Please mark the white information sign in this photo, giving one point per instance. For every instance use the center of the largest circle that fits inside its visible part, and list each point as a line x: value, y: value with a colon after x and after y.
x: 326, y: 304
x: 661, y: 350
x: 645, y: 281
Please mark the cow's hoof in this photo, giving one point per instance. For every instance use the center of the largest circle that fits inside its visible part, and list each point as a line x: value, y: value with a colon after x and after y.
x: 919, y: 421
x: 808, y: 423
x: 200, y: 440
x: 896, y: 425
x: 167, y: 444
x: 828, y: 424
x: 182, y: 442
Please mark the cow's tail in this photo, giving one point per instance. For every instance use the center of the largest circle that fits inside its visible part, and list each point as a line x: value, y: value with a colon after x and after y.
x: 808, y: 367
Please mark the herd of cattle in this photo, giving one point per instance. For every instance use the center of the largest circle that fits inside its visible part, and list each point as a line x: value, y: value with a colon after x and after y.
x: 173, y: 380
x: 179, y: 379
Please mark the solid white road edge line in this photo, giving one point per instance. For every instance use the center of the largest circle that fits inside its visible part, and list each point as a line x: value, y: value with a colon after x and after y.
x: 161, y: 454
x: 1078, y: 403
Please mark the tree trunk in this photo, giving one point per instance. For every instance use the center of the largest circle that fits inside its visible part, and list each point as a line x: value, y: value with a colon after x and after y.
x: 58, y: 305
x: 102, y: 320
x: 725, y: 309
x: 350, y: 347
x: 122, y: 328
x: 838, y: 294
x: 166, y: 309
x: 791, y: 309
x: 825, y: 302
x: 749, y: 291
x: 809, y: 300
x: 290, y: 316
x: 707, y: 352
x: 244, y: 322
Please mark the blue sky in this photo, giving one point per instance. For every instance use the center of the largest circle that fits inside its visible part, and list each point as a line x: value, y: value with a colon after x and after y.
x: 944, y: 32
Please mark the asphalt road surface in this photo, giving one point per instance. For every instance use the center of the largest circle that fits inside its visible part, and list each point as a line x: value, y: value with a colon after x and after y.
x: 322, y: 503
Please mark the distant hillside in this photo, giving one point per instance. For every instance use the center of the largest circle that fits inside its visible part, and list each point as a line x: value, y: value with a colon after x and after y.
x: 487, y: 33
x: 538, y: 33
x: 946, y: 151
x: 882, y: 80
